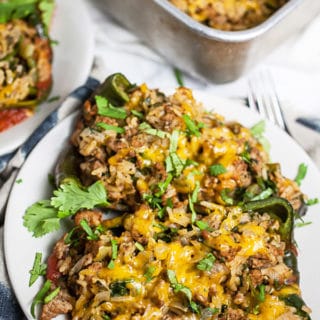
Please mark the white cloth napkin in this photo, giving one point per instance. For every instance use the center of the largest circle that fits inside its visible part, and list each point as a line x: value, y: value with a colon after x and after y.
x: 295, y: 66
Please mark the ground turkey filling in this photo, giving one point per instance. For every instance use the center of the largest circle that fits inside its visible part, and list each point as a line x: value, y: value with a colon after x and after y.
x: 229, y: 15
x: 182, y: 248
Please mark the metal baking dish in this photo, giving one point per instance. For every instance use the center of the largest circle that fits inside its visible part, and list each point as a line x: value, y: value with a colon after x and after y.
x: 218, y: 56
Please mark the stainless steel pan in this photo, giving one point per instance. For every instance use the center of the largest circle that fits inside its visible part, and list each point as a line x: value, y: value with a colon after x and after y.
x: 219, y: 56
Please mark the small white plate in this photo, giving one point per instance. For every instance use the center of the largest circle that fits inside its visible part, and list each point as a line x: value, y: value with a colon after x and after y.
x: 20, y: 247
x: 72, y: 60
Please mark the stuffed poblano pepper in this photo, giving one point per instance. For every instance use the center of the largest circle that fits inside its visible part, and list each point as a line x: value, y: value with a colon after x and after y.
x: 25, y: 58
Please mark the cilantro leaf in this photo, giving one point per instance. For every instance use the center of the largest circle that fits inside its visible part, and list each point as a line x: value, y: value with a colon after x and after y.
x: 44, y: 216
x: 178, y: 76
x: 217, y: 169
x: 139, y: 246
x: 110, y: 127
x: 90, y: 234
x: 105, y: 108
x: 114, y: 254
x: 225, y: 197
x: 51, y: 295
x: 178, y: 287
x: 16, y: 9
x: 202, y: 225
x: 70, y: 197
x: 263, y: 195
x: 302, y: 172
x: 38, y: 269
x: 41, y: 218
x: 47, y: 8
x: 193, y: 128
x: 145, y: 127
x: 311, y: 202
x: 262, y: 292
x: 38, y: 299
x: 302, y: 224
x: 163, y: 185
x: 206, y: 263
x: 137, y: 114
x: 149, y: 273
x: 193, y: 199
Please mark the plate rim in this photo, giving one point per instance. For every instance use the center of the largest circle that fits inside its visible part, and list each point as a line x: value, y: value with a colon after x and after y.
x: 12, y: 138
x: 199, y: 96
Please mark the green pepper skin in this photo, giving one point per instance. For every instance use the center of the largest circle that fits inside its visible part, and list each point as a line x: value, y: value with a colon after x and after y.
x: 278, y: 208
x: 115, y: 88
x: 67, y: 166
x: 295, y: 301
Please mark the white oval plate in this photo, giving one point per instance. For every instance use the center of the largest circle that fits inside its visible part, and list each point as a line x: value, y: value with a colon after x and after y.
x: 72, y: 60
x: 20, y: 247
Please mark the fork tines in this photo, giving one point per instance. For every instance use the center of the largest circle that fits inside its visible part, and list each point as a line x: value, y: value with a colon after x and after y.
x: 263, y: 97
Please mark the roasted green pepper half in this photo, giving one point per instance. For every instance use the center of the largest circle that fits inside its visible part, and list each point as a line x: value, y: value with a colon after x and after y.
x: 115, y: 89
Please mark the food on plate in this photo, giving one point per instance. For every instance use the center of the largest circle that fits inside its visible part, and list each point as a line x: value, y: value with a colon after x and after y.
x: 201, y: 225
x: 230, y: 15
x: 25, y: 58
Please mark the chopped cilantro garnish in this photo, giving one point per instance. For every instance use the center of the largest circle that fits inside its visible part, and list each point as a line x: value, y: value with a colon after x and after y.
x: 163, y: 185
x: 263, y: 195
x: 39, y: 298
x: 174, y: 164
x: 51, y: 295
x: 225, y: 197
x: 38, y: 269
x: 91, y: 235
x: 192, y: 127
x: 137, y: 114
x: 178, y: 76
x: 139, y: 246
x: 105, y: 108
x: 18, y: 181
x: 206, y: 263
x: 302, y: 224
x: 261, y: 292
x: 174, y: 138
x: 217, y: 169
x: 193, y: 199
x: 155, y: 203
x: 202, y: 225
x: 302, y: 171
x: 245, y: 155
x: 194, y: 196
x: 178, y: 287
x: 145, y: 127
x: 149, y: 273
x: 110, y: 127
x: 311, y: 202
x: 114, y: 254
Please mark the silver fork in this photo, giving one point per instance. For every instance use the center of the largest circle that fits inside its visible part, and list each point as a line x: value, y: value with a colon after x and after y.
x: 263, y: 97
